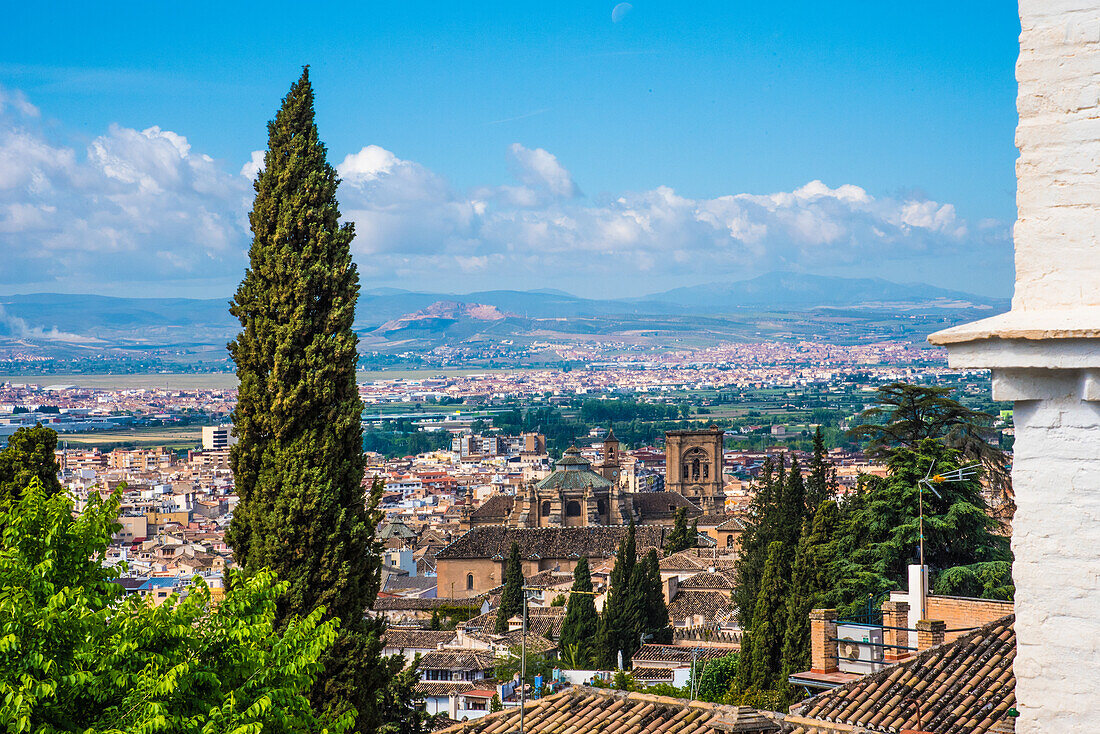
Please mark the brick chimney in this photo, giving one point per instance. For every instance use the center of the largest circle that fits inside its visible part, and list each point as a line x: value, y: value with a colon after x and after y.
x: 895, y: 614
x: 823, y: 656
x: 930, y: 632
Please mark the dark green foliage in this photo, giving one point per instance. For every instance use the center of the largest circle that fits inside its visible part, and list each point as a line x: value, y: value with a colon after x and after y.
x: 821, y: 482
x: 681, y: 537
x: 29, y: 455
x: 299, y: 465
x: 657, y: 627
x: 812, y: 583
x: 618, y: 621
x: 906, y: 415
x: 768, y: 519
x: 717, y: 677
x: 989, y: 580
x: 511, y: 597
x: 78, y: 657
x: 762, y: 646
x: 581, y: 622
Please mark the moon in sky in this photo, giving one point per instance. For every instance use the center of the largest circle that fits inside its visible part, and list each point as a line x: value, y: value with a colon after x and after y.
x: 619, y: 11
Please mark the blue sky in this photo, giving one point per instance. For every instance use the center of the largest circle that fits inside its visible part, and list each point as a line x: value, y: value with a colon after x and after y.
x: 517, y: 145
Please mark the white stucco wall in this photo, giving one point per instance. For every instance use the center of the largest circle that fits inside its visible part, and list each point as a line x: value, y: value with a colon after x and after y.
x: 1058, y: 189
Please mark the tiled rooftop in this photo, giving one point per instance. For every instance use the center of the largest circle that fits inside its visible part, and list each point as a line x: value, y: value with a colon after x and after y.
x: 964, y: 687
x: 538, y: 543
x: 582, y: 709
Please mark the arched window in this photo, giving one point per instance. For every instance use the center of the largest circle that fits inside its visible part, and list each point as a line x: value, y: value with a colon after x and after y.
x: 729, y: 541
x: 695, y: 465
x: 546, y: 508
x: 601, y: 507
x: 572, y: 508
x: 469, y: 582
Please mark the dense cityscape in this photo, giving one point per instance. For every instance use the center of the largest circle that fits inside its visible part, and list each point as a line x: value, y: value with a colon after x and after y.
x: 670, y: 369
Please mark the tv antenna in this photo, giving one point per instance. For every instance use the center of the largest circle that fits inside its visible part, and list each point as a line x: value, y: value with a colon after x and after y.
x: 930, y: 481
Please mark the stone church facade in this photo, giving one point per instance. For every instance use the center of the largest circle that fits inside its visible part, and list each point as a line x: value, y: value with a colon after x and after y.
x: 580, y: 494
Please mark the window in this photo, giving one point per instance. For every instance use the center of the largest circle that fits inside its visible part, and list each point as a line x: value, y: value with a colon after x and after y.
x: 469, y: 582
x: 572, y: 508
x: 476, y: 704
x: 601, y: 507
x: 546, y: 508
x: 729, y: 541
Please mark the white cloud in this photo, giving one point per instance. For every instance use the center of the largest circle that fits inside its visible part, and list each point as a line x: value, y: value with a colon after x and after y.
x: 541, y: 170
x: 144, y: 206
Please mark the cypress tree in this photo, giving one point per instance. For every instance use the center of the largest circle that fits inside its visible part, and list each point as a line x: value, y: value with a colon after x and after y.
x: 762, y: 525
x: 812, y: 581
x: 821, y: 482
x: 581, y: 623
x: 761, y: 663
x: 616, y: 629
x: 657, y: 623
x: 298, y: 463
x: 679, y: 538
x: 511, y: 597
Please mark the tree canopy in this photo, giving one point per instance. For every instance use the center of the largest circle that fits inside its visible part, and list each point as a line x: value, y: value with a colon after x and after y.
x: 29, y: 456
x: 79, y: 657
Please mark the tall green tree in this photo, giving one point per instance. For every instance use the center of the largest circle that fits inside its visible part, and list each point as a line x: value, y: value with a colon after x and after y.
x: 761, y: 660
x: 29, y: 455
x: 618, y: 621
x: 511, y: 596
x: 657, y: 627
x: 821, y: 481
x: 298, y: 464
x: 581, y: 622
x: 78, y: 656
x: 764, y: 523
x: 812, y: 583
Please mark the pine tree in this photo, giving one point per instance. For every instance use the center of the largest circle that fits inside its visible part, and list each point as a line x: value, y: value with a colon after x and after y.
x: 812, y: 581
x: 511, y: 596
x: 657, y: 624
x: 581, y: 623
x: 298, y: 463
x: 761, y: 661
x: 617, y: 625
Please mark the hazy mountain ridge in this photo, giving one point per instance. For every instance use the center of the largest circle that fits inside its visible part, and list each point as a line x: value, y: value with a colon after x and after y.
x: 388, y: 314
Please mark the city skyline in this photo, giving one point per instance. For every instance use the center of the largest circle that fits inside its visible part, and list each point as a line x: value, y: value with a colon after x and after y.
x: 674, y: 146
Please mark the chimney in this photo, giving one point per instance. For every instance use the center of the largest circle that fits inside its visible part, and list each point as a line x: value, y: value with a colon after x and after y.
x: 895, y: 614
x: 672, y: 585
x: 930, y: 633
x: 823, y: 654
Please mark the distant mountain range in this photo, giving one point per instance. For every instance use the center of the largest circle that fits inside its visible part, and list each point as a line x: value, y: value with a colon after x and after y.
x: 389, y: 313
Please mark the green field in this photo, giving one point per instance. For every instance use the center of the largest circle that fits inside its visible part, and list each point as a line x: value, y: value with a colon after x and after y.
x: 172, y: 437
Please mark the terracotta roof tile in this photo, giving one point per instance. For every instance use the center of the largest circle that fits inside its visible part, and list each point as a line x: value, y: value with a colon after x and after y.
x: 582, y: 709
